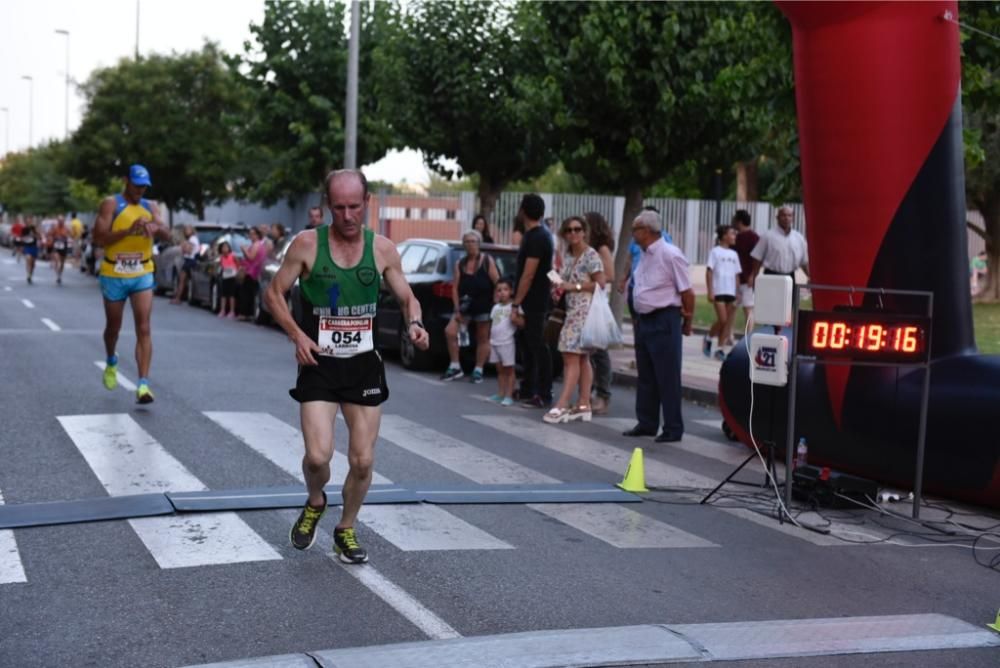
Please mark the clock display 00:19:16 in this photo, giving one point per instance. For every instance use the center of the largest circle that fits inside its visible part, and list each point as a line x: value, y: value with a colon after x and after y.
x: 873, y: 337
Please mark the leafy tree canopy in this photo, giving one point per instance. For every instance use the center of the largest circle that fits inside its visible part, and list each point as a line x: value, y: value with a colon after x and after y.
x: 640, y: 89
x: 295, y: 70
x: 458, y: 78
x: 175, y: 114
x: 36, y: 182
x: 981, y: 114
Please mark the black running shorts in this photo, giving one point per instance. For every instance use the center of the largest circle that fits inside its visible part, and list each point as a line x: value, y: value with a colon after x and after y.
x: 351, y: 380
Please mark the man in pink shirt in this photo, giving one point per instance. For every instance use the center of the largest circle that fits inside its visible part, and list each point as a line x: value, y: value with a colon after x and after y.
x: 664, y: 308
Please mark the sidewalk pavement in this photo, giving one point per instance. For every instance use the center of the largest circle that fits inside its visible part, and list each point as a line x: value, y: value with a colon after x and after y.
x: 699, y: 374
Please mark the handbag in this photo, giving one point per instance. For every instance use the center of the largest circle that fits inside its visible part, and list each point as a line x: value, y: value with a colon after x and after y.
x: 557, y: 316
x: 600, y: 331
x: 554, y: 323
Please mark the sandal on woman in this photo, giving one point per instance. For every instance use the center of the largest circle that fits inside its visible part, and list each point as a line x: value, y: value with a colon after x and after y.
x: 581, y: 413
x: 557, y: 415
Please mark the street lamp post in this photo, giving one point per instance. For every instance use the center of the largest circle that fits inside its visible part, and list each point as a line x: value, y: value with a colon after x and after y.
x: 31, y: 108
x: 351, y: 129
x: 137, y: 29
x: 66, y: 121
x: 6, y: 125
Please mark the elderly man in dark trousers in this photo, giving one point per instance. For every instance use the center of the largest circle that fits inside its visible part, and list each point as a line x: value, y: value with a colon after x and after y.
x: 664, y: 307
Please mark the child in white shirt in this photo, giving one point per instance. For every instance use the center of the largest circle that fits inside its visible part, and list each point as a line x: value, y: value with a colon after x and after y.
x: 502, y: 329
x: 722, y: 278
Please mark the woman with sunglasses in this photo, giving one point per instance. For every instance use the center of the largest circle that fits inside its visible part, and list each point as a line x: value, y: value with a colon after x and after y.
x: 582, y: 272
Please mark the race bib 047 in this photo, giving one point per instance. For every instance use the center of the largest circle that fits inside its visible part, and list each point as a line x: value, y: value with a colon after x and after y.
x: 128, y: 263
x: 344, y: 336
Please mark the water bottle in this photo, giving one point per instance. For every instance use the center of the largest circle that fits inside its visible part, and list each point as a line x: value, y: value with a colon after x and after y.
x: 801, y: 453
x: 463, y: 335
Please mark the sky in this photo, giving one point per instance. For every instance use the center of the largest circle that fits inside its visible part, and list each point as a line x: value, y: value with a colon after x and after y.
x: 101, y: 33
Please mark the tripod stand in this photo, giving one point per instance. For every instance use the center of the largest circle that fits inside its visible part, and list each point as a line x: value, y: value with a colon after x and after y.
x: 768, y: 447
x: 770, y: 472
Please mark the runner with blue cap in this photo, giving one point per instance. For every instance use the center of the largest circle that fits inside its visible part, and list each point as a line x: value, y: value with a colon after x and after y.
x: 126, y: 225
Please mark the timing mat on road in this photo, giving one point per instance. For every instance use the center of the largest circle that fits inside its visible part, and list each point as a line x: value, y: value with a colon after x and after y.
x: 15, y: 516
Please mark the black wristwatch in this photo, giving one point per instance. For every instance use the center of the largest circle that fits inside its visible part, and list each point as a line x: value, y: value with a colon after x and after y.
x: 417, y: 323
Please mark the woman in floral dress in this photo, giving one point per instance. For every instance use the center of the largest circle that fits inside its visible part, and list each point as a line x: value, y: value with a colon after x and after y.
x: 582, y: 271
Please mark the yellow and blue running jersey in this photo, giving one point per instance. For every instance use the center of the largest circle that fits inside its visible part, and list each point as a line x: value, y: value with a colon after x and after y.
x: 133, y: 255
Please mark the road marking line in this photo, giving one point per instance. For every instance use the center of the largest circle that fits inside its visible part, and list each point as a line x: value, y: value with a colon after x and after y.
x: 611, y: 523
x: 11, y: 568
x: 411, y: 528
x: 122, y: 380
x: 127, y: 460
x: 51, y: 325
x: 409, y: 607
x: 28, y: 303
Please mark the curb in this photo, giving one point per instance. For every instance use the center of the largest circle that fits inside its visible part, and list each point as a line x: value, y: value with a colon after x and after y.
x: 696, y: 394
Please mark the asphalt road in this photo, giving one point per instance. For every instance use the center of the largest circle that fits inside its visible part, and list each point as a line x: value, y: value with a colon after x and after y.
x: 228, y: 586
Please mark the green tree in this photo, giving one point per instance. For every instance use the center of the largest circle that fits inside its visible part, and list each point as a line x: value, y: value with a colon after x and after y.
x: 981, y: 119
x: 175, y: 114
x: 639, y: 89
x: 35, y: 181
x: 296, y: 71
x: 458, y: 79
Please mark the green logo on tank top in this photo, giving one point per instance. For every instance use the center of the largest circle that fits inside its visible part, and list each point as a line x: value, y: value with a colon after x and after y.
x: 366, y: 275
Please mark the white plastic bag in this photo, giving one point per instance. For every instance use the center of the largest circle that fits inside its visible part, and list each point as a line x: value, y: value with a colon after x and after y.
x: 600, y: 331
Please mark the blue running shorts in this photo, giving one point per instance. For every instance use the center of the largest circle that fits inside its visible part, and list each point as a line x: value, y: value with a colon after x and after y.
x: 117, y: 289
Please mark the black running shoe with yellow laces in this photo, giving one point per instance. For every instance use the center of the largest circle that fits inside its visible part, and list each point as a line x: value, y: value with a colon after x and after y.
x: 303, y: 533
x: 345, y: 544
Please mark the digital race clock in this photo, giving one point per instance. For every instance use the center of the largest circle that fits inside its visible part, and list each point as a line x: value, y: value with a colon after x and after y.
x: 863, y: 336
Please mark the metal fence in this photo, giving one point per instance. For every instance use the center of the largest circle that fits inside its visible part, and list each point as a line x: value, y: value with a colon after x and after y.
x: 691, y: 223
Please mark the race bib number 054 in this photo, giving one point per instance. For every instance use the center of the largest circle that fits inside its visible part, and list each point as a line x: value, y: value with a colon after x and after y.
x: 344, y: 337
x: 128, y: 263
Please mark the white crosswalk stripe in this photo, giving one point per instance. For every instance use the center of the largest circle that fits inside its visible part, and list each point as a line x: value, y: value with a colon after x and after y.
x: 593, y: 452
x: 416, y: 527
x: 127, y: 460
x: 614, y: 524
x: 735, y: 456
x: 690, y: 443
x: 660, y: 474
x: 11, y: 568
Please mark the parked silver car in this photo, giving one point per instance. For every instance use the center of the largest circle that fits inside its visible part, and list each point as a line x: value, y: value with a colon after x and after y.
x: 206, y: 276
x: 260, y: 312
x: 167, y: 260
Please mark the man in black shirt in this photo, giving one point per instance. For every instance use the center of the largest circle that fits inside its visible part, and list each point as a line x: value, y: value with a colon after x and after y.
x: 531, y: 299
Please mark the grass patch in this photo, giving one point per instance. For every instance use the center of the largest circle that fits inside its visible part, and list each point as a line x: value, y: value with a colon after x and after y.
x: 986, y: 321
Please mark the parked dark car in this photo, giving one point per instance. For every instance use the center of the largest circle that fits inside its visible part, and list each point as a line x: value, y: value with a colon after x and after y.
x: 167, y: 260
x: 206, y: 277
x: 429, y: 267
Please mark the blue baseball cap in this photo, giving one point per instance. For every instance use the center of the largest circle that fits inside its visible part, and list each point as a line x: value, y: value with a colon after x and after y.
x: 139, y: 175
